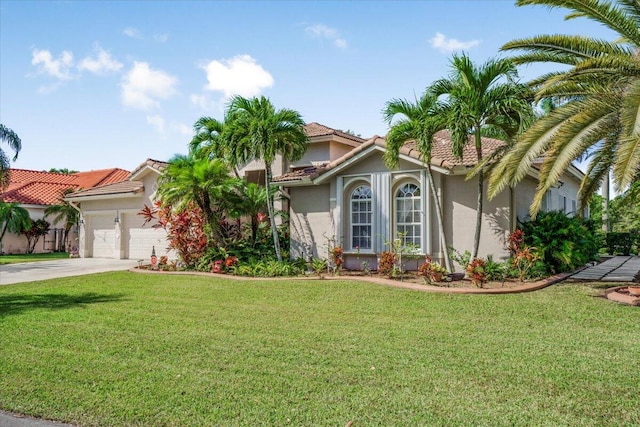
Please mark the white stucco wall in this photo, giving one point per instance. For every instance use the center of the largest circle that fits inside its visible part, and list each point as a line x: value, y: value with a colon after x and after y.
x: 311, y: 221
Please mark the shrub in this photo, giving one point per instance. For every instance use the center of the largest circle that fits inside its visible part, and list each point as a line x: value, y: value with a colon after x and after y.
x: 563, y: 243
x: 477, y: 271
x: 495, y: 270
x: 431, y: 271
x: 268, y: 268
x: 619, y: 243
x: 462, y: 259
x: 387, y: 263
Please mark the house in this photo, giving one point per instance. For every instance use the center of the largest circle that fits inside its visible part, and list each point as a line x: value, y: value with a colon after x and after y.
x: 110, y: 226
x: 37, y: 190
x: 339, y: 192
x: 356, y: 202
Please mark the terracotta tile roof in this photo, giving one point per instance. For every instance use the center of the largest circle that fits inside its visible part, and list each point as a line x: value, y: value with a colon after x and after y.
x: 441, y: 155
x: 122, y: 187
x: 45, y: 188
x: 316, y: 129
x: 158, y: 165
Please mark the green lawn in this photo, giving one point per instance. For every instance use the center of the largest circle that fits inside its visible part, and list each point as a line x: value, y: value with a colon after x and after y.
x: 14, y: 259
x: 134, y: 349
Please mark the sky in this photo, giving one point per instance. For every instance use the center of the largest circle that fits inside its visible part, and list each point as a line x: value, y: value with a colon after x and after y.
x: 91, y: 85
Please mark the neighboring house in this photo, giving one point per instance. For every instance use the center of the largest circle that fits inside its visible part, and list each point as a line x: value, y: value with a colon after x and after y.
x: 110, y: 226
x: 358, y: 203
x: 36, y: 190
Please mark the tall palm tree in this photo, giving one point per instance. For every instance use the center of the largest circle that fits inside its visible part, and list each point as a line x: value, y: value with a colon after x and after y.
x: 600, y: 99
x: 419, y: 121
x: 211, y: 141
x: 262, y: 132
x: 477, y: 101
x: 205, y: 182
x: 13, y: 218
x: 63, y: 212
x: 14, y: 142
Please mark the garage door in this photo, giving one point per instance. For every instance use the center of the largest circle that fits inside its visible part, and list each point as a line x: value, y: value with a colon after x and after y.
x: 104, y: 236
x: 141, y: 240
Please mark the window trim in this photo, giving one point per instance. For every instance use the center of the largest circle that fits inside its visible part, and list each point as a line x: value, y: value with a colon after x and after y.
x: 421, y: 223
x: 353, y: 187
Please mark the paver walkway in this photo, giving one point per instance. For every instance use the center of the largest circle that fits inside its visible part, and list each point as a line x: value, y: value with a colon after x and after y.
x: 616, y: 269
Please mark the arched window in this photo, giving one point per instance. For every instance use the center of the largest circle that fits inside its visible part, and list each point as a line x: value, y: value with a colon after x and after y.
x: 408, y: 215
x: 361, y: 215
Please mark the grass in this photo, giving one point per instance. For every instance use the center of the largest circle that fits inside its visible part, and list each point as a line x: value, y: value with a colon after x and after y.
x: 14, y: 259
x: 133, y: 349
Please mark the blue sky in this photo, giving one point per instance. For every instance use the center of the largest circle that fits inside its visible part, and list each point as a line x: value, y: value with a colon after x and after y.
x: 92, y: 85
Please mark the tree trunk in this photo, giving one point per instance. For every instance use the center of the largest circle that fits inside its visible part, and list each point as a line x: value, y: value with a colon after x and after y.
x: 270, y: 209
x: 605, y: 204
x: 476, y: 238
x: 443, y: 237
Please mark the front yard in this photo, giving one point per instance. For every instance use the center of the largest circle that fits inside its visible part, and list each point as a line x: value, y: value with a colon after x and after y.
x: 14, y: 259
x: 135, y: 349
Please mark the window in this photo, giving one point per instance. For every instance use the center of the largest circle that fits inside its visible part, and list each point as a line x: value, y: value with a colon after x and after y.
x: 408, y: 215
x: 562, y: 203
x: 361, y: 214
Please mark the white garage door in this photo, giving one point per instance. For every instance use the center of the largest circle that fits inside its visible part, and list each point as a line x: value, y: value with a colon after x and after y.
x: 143, y: 240
x: 104, y: 236
x: 140, y: 239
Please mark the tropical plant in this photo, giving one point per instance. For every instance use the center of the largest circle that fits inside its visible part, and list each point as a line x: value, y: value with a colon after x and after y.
x: 477, y: 271
x: 598, y: 93
x: 262, y: 132
x: 63, y: 212
x: 13, y: 141
x: 206, y: 183
x: 431, y: 271
x: 13, y: 218
x: 562, y: 243
x: 481, y: 101
x: 418, y: 123
x: 38, y: 228
x: 387, y: 264
x: 214, y: 140
x: 185, y: 229
x: 250, y: 200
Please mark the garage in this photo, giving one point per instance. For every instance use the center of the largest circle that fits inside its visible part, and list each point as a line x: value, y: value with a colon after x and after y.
x: 103, y: 236
x: 139, y: 241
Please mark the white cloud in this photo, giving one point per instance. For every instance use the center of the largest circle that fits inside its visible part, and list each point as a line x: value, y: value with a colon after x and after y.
x: 445, y: 45
x: 102, y: 63
x: 157, y: 122
x: 59, y: 68
x: 181, y: 129
x: 240, y: 75
x: 143, y: 86
x: 321, y: 31
x: 161, y: 38
x: 161, y: 126
x: 134, y: 33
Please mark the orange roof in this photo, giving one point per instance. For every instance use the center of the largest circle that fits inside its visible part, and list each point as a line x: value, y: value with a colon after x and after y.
x: 45, y: 188
x: 316, y: 129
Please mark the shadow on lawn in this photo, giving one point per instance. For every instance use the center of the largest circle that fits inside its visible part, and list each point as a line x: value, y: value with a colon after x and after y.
x: 17, y: 303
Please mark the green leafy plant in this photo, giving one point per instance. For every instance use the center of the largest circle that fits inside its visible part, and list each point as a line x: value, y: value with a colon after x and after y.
x: 462, y: 259
x: 496, y: 270
x: 563, y: 243
x: 319, y: 267
x: 477, y: 271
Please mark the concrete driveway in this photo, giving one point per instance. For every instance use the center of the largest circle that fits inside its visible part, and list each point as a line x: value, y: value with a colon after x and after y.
x: 42, y: 270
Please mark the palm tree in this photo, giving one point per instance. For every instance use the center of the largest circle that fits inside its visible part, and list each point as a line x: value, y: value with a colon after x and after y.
x: 205, y: 182
x: 599, y: 94
x: 477, y: 101
x: 14, y: 218
x: 14, y: 142
x: 262, y: 132
x: 251, y: 200
x: 419, y: 122
x: 211, y: 141
x: 63, y: 212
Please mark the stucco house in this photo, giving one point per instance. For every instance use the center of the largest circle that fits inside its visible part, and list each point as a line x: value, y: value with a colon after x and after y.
x: 357, y: 202
x: 37, y: 190
x: 110, y: 226
x: 339, y: 191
